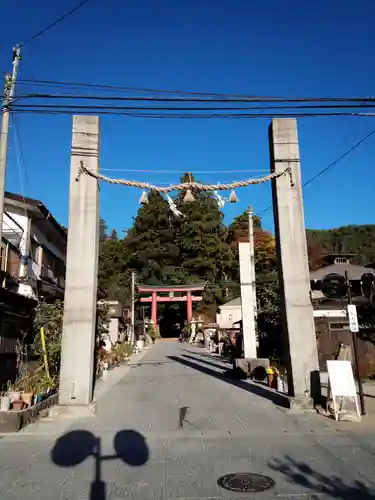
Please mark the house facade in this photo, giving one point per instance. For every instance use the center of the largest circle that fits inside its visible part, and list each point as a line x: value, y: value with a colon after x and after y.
x: 33, y: 250
x: 230, y: 313
x: 331, y: 321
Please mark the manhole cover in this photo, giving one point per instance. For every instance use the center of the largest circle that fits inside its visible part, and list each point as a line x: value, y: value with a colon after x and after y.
x: 246, y: 482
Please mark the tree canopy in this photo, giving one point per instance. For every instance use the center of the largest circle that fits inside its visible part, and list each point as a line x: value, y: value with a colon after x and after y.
x: 165, y: 248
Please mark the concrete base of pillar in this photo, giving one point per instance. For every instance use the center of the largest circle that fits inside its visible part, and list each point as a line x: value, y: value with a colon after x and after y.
x: 301, y: 403
x: 79, y: 411
x: 246, y: 367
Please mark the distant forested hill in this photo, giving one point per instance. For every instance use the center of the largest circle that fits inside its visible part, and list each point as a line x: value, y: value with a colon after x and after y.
x: 357, y: 240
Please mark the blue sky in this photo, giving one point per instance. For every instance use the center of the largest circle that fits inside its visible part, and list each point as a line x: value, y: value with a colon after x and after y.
x: 274, y: 47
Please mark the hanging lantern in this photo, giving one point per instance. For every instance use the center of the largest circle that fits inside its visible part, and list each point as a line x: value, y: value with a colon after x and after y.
x: 233, y: 197
x: 188, y: 196
x: 143, y: 200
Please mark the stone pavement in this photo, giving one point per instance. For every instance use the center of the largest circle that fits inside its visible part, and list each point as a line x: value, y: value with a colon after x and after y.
x: 171, y: 426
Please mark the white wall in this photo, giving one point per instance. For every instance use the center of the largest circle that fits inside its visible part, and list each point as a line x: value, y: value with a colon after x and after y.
x: 9, y: 224
x: 42, y: 240
x: 33, y: 268
x: 21, y: 219
x: 228, y: 316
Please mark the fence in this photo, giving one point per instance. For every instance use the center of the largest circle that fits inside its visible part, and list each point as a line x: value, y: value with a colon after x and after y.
x: 331, y: 333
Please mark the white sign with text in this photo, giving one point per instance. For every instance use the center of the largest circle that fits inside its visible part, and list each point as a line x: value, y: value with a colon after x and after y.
x: 353, y: 318
x: 342, y: 385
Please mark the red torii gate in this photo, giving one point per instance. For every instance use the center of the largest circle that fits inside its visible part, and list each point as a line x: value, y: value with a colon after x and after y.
x: 184, y: 295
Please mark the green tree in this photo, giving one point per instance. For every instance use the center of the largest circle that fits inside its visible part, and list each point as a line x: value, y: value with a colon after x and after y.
x: 150, y: 244
x: 358, y: 240
x: 103, y: 230
x: 202, y: 238
x: 114, y: 276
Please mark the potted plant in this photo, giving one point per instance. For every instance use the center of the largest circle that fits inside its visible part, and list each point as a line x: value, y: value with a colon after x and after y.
x: 13, y: 391
x: 28, y: 385
x: 5, y: 402
x: 272, y: 374
x: 18, y: 405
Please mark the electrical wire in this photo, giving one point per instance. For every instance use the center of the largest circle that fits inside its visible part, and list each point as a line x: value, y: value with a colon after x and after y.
x: 162, y: 115
x: 97, y: 107
x: 193, y: 172
x: 362, y: 100
x: 330, y: 165
x: 231, y: 96
x: 55, y: 23
x: 20, y: 164
x: 18, y: 143
x: 63, y: 84
x: 340, y: 158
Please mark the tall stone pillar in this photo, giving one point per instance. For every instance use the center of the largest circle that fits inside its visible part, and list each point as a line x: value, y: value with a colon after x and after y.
x: 78, y: 337
x: 297, y: 311
x: 248, y: 302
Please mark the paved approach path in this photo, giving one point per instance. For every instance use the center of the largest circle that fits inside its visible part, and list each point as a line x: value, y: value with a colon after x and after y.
x: 171, y: 426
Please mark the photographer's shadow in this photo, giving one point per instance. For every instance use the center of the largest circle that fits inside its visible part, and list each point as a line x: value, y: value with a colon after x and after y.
x: 75, y: 447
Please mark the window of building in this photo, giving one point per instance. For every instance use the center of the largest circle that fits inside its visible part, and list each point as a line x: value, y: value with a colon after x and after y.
x: 34, y: 250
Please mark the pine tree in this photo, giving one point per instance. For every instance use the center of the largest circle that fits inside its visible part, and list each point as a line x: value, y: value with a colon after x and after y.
x: 150, y: 244
x: 103, y: 230
x: 205, y: 254
x: 114, y: 276
x: 202, y: 237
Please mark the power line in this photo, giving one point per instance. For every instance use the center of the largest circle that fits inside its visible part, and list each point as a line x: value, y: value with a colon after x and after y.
x: 97, y: 107
x: 137, y: 113
x: 57, y: 21
x: 335, y: 162
x: 181, y: 171
x: 19, y: 143
x: 55, y: 83
x: 358, y: 99
x: 231, y: 96
x: 309, y: 103
x: 332, y: 164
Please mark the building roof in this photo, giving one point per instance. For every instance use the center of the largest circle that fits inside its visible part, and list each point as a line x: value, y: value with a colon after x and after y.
x: 36, y: 208
x: 354, y: 272
x: 232, y: 303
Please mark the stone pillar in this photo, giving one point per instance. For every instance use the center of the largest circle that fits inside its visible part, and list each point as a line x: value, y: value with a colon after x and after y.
x: 247, y: 302
x: 154, y: 305
x: 297, y: 311
x: 189, y: 306
x: 78, y: 336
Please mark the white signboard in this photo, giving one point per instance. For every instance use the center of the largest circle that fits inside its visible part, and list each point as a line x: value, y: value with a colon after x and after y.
x: 353, y: 318
x: 342, y: 385
x: 327, y: 313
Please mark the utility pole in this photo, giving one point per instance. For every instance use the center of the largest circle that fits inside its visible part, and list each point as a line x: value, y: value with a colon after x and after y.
x: 9, y: 87
x: 132, y: 336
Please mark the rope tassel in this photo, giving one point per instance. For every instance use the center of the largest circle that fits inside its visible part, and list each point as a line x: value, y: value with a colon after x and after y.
x: 143, y: 200
x: 233, y: 197
x: 188, y: 196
